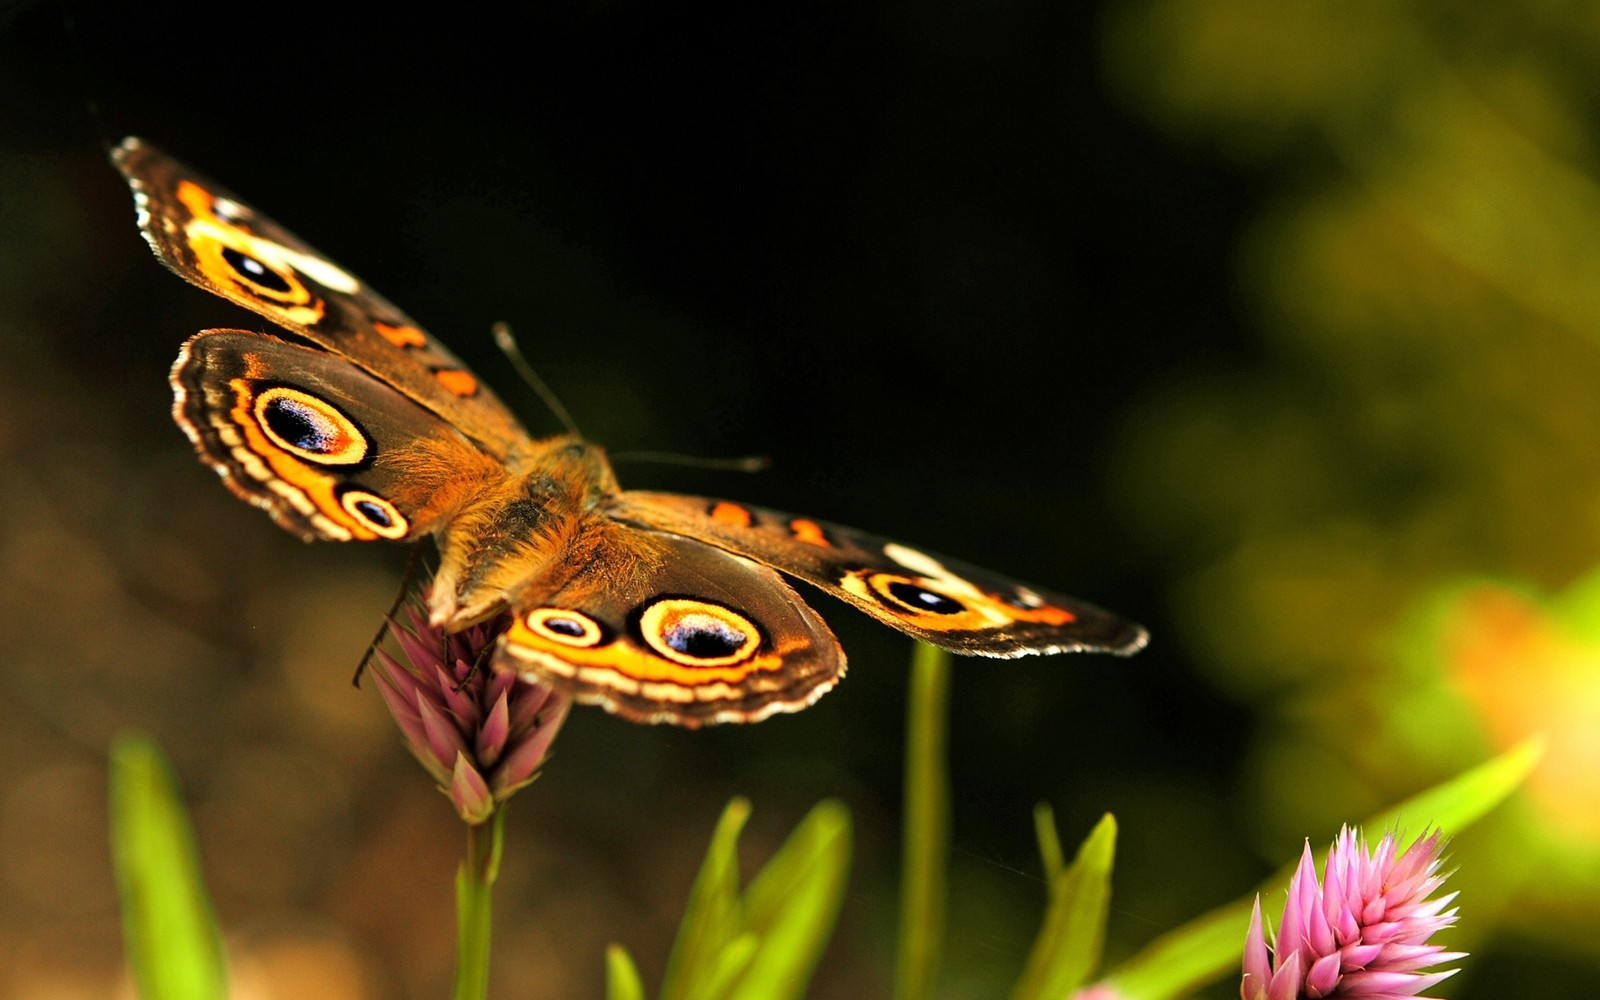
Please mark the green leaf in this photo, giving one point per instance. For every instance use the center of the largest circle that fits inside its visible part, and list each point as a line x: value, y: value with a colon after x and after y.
x: 731, y: 964
x: 1044, y: 829
x: 1210, y: 946
x: 924, y: 849
x: 712, y: 919
x: 765, y: 944
x: 792, y: 905
x: 1073, y: 936
x: 622, y: 975
x: 171, y: 934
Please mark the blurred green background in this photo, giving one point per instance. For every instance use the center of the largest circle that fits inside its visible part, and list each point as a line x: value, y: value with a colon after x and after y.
x: 1273, y: 326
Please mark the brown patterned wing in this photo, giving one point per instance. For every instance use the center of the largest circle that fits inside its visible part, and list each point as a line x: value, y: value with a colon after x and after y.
x: 326, y: 449
x: 218, y: 242
x: 948, y: 603
x: 660, y: 628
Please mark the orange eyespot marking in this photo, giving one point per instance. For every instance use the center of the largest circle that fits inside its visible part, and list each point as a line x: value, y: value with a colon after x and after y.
x: 236, y: 260
x: 809, y: 532
x: 378, y: 514
x: 261, y: 453
x: 698, y: 633
x: 457, y: 381
x: 913, y: 595
x: 309, y: 428
x: 730, y: 514
x: 567, y: 628
x: 401, y: 336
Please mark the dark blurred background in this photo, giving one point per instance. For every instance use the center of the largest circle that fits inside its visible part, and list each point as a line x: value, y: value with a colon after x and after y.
x: 1272, y: 328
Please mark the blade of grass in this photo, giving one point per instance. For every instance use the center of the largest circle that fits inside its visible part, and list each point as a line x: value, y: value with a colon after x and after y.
x: 792, y: 904
x: 1073, y: 936
x: 712, y: 918
x: 168, y: 926
x: 1206, y: 948
x: 622, y: 975
x: 732, y: 963
x: 926, y: 826
x: 1044, y: 830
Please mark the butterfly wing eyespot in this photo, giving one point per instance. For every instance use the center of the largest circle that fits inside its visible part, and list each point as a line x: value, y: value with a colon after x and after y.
x: 698, y: 633
x: 242, y: 265
x: 916, y: 597
x: 564, y: 627
x: 378, y: 515
x: 308, y: 426
x: 262, y: 278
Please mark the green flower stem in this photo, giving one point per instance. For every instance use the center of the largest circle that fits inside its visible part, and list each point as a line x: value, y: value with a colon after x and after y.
x: 474, y: 890
x: 927, y: 826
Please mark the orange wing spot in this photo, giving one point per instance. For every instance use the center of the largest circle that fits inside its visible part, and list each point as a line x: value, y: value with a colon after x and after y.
x: 1045, y: 615
x: 457, y: 381
x: 402, y: 336
x: 635, y: 665
x: 730, y: 514
x: 316, y: 487
x: 196, y: 199
x: 243, y: 266
x: 809, y: 532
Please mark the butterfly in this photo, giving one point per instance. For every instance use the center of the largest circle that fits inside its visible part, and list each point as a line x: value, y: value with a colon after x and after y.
x: 356, y: 425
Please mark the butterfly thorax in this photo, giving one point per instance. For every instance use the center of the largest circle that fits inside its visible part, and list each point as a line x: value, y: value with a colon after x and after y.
x: 517, y: 530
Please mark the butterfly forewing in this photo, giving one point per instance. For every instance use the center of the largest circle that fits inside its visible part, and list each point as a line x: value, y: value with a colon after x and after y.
x: 949, y: 603
x: 220, y: 243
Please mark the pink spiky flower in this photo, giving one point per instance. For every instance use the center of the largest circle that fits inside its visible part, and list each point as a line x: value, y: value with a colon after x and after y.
x: 1362, y: 933
x: 482, y: 734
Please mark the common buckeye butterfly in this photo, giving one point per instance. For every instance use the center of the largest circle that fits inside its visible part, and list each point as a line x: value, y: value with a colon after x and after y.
x: 660, y: 608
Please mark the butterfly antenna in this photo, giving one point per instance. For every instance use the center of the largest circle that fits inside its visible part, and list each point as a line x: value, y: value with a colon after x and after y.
x: 507, y: 343
x: 413, y: 561
x: 747, y: 463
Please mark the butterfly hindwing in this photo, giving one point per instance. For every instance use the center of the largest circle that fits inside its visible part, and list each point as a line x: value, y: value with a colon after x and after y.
x: 221, y: 244
x: 946, y: 602
x: 329, y: 451
x: 656, y: 627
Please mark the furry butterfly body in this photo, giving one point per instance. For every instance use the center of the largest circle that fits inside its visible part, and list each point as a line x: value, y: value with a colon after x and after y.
x: 358, y: 425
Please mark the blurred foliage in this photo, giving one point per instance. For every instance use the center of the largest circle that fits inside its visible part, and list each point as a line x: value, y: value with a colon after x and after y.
x: 1423, y: 283
x: 762, y: 943
x: 174, y: 947
x: 1067, y: 951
